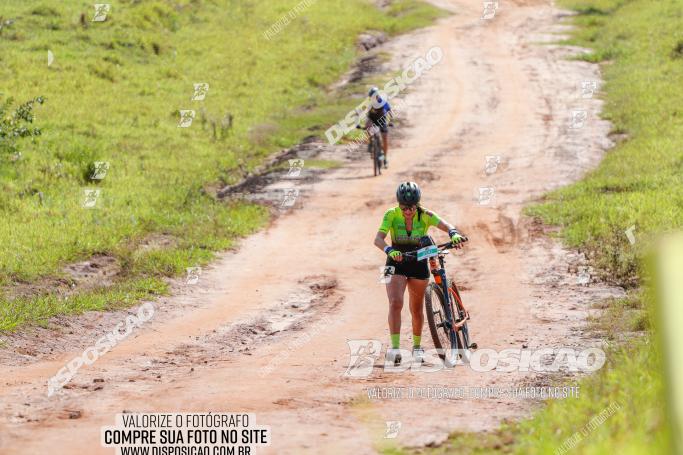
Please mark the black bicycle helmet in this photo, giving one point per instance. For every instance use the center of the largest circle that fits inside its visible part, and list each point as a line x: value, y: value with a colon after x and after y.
x: 408, y: 193
x: 372, y: 91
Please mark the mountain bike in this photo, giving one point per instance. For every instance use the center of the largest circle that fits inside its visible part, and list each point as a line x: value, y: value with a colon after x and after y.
x: 375, y: 149
x: 446, y: 315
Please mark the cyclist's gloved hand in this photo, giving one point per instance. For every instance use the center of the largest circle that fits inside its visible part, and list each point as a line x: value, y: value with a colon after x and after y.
x: 456, y: 237
x: 393, y: 254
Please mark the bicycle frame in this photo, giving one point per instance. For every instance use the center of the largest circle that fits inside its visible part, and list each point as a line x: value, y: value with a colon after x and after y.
x: 453, y: 319
x: 374, y: 146
x: 439, y: 274
x: 377, y: 138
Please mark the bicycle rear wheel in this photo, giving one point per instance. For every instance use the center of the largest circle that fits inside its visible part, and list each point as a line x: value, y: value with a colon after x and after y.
x: 440, y: 319
x: 375, y: 155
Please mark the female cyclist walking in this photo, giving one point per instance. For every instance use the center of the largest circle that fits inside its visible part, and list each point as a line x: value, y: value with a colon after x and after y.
x: 408, y: 223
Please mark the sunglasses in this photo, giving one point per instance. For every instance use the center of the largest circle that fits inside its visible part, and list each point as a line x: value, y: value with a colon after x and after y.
x: 406, y: 208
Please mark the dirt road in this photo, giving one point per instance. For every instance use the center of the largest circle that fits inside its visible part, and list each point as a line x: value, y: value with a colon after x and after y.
x: 265, y: 329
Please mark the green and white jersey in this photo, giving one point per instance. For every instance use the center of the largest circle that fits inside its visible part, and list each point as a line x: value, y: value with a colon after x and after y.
x: 395, y: 223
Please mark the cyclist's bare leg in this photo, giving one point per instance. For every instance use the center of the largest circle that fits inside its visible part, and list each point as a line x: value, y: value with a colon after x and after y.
x: 395, y: 290
x: 416, y: 290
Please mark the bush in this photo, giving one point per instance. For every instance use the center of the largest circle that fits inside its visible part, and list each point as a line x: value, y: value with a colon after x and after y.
x: 16, y: 125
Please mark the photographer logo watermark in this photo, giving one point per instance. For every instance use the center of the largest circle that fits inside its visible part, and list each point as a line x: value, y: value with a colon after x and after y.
x: 100, y: 169
x: 186, y: 117
x: 486, y: 195
x: 587, y: 429
x: 200, y: 91
x: 588, y: 89
x: 295, y: 167
x: 392, y: 429
x: 629, y: 234
x: 284, y: 20
x: 385, y: 274
x: 578, y: 119
x: 364, y: 354
x: 490, y: 9
x: 411, y: 73
x: 492, y: 163
x: 584, y: 275
x: 101, y: 11
x: 101, y: 347
x: 90, y: 198
x: 289, y: 198
x: 192, y: 276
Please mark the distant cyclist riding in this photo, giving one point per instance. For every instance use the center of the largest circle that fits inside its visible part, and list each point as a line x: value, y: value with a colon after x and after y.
x: 408, y: 224
x: 379, y: 115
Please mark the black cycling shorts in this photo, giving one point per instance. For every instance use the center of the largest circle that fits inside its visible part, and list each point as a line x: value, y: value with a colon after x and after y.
x: 410, y: 268
x: 379, y: 121
x: 383, y: 128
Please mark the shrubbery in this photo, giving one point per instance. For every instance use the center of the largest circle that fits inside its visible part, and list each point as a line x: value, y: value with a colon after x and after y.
x: 16, y: 125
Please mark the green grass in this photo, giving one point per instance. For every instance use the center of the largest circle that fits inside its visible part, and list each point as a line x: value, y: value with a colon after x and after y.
x: 323, y: 164
x: 113, y: 94
x: 639, y: 182
x: 640, y: 46
x: 628, y: 391
x: 39, y: 310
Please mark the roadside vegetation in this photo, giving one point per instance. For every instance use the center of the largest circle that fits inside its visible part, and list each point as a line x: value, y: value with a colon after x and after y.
x: 113, y: 93
x: 639, y: 44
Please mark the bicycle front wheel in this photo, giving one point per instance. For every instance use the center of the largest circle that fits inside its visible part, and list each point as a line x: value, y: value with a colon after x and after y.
x: 461, y: 316
x: 440, y: 319
x: 375, y: 155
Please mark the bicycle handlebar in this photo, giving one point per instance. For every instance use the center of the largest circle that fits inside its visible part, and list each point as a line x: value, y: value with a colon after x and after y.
x: 442, y: 247
x: 359, y: 127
